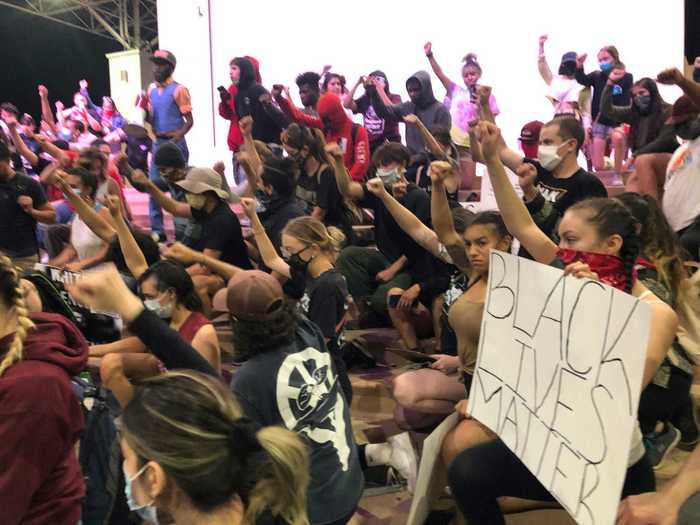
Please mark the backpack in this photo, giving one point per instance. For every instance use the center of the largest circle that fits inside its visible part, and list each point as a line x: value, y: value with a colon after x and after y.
x: 100, y: 459
x: 96, y: 327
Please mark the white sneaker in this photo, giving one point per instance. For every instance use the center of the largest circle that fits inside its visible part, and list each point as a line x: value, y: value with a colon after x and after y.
x: 403, y: 458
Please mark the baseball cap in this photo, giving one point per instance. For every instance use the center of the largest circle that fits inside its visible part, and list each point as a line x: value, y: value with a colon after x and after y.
x: 200, y: 180
x: 683, y: 109
x: 531, y: 132
x: 251, y: 295
x: 161, y: 55
x: 569, y: 56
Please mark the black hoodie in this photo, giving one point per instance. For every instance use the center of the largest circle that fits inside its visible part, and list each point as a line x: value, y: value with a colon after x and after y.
x: 426, y: 108
x: 268, y: 121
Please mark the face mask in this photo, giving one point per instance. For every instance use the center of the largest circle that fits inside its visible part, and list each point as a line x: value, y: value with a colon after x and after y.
x: 696, y: 75
x: 161, y: 75
x: 388, y: 176
x: 164, y: 312
x: 605, y: 66
x: 196, y: 201
x: 548, y: 157
x: 298, y: 264
x: 77, y: 191
x: 146, y: 512
x: 642, y: 102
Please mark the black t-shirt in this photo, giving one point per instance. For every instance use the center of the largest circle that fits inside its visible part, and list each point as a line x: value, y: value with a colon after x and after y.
x: 563, y: 193
x: 297, y: 387
x: 391, y: 240
x: 17, y: 228
x: 218, y: 230
x: 325, y: 301
x: 321, y: 189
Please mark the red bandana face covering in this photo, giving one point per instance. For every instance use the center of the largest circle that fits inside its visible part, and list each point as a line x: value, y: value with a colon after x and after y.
x: 610, y: 268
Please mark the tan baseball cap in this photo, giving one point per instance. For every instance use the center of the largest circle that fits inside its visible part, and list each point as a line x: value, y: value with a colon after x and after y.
x: 200, y: 180
x: 251, y: 295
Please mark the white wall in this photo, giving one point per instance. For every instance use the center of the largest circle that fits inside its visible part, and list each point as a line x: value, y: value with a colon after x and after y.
x: 288, y: 38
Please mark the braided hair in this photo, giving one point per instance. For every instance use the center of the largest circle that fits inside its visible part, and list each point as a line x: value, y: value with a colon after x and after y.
x: 611, y: 217
x: 12, y: 296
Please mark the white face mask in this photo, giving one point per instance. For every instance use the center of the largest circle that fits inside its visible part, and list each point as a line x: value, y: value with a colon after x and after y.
x: 389, y: 176
x: 548, y: 157
x: 164, y: 312
x: 196, y: 201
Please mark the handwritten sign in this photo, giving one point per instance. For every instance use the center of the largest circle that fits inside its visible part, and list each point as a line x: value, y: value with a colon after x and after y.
x: 487, y: 200
x: 558, y: 378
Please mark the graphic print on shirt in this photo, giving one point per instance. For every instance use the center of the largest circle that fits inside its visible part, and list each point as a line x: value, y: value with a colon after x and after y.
x: 551, y: 194
x: 310, y: 402
x: 374, y: 124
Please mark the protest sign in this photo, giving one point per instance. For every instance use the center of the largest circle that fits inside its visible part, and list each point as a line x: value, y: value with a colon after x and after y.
x: 558, y: 378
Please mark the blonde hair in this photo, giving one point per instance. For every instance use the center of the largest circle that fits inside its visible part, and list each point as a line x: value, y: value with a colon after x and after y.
x: 312, y: 231
x: 12, y: 295
x: 191, y: 425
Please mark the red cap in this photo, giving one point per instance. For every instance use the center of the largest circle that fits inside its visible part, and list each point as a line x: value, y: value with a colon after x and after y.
x: 251, y: 295
x: 683, y: 109
x: 161, y: 55
x: 531, y: 132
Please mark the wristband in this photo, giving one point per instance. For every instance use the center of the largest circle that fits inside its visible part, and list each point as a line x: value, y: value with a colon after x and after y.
x: 429, y: 55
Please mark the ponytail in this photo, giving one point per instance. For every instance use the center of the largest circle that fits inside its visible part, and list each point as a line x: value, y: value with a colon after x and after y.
x: 471, y: 60
x: 12, y: 295
x: 281, y: 489
x: 191, y: 425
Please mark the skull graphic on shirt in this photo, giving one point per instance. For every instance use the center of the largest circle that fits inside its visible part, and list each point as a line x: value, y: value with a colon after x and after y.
x: 310, y: 400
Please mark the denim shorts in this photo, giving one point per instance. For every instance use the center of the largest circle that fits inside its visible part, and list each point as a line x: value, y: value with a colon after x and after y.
x: 601, y: 131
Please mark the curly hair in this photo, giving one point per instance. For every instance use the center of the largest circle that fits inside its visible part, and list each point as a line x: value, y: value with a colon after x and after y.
x: 659, y: 243
x: 254, y: 337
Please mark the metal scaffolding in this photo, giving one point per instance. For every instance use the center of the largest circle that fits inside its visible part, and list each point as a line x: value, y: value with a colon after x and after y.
x: 132, y: 23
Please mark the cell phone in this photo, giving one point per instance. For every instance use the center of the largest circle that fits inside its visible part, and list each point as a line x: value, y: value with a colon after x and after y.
x: 222, y: 89
x: 394, y: 301
x: 343, y: 143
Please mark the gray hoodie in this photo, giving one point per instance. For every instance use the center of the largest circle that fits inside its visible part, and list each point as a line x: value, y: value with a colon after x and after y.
x: 431, y: 112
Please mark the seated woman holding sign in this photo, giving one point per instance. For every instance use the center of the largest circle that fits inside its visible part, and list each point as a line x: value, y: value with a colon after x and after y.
x: 599, y: 240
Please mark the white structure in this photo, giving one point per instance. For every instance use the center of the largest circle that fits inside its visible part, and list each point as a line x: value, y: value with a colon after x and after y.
x: 129, y: 74
x: 288, y: 38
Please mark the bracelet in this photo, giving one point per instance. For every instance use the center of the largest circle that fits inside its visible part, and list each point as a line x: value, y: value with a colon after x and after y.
x: 429, y: 55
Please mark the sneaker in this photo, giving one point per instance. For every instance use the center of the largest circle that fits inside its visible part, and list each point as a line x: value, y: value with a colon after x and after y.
x: 403, y: 458
x: 660, y: 444
x: 686, y: 421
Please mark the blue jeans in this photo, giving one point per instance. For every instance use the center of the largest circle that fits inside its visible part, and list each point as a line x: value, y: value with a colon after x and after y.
x: 155, y: 213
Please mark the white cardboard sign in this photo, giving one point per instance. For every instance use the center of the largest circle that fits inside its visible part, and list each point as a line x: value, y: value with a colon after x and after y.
x: 558, y: 378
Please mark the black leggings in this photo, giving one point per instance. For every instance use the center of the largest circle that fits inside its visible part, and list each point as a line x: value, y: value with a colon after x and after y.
x: 660, y: 404
x: 690, y: 239
x: 483, y: 473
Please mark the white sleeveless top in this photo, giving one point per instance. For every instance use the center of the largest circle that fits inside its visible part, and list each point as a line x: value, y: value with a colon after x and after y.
x: 83, y: 239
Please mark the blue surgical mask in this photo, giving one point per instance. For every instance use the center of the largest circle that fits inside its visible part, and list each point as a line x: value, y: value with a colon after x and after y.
x: 147, y: 512
x: 605, y: 67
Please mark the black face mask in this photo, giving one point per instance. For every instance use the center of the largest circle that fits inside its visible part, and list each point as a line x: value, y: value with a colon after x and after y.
x: 296, y: 263
x: 161, y: 74
x: 696, y: 75
x: 643, y: 102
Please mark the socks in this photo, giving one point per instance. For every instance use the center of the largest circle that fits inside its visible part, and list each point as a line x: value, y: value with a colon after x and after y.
x: 377, y: 454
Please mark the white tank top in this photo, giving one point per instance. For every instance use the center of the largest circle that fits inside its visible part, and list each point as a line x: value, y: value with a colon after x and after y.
x: 85, y: 242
